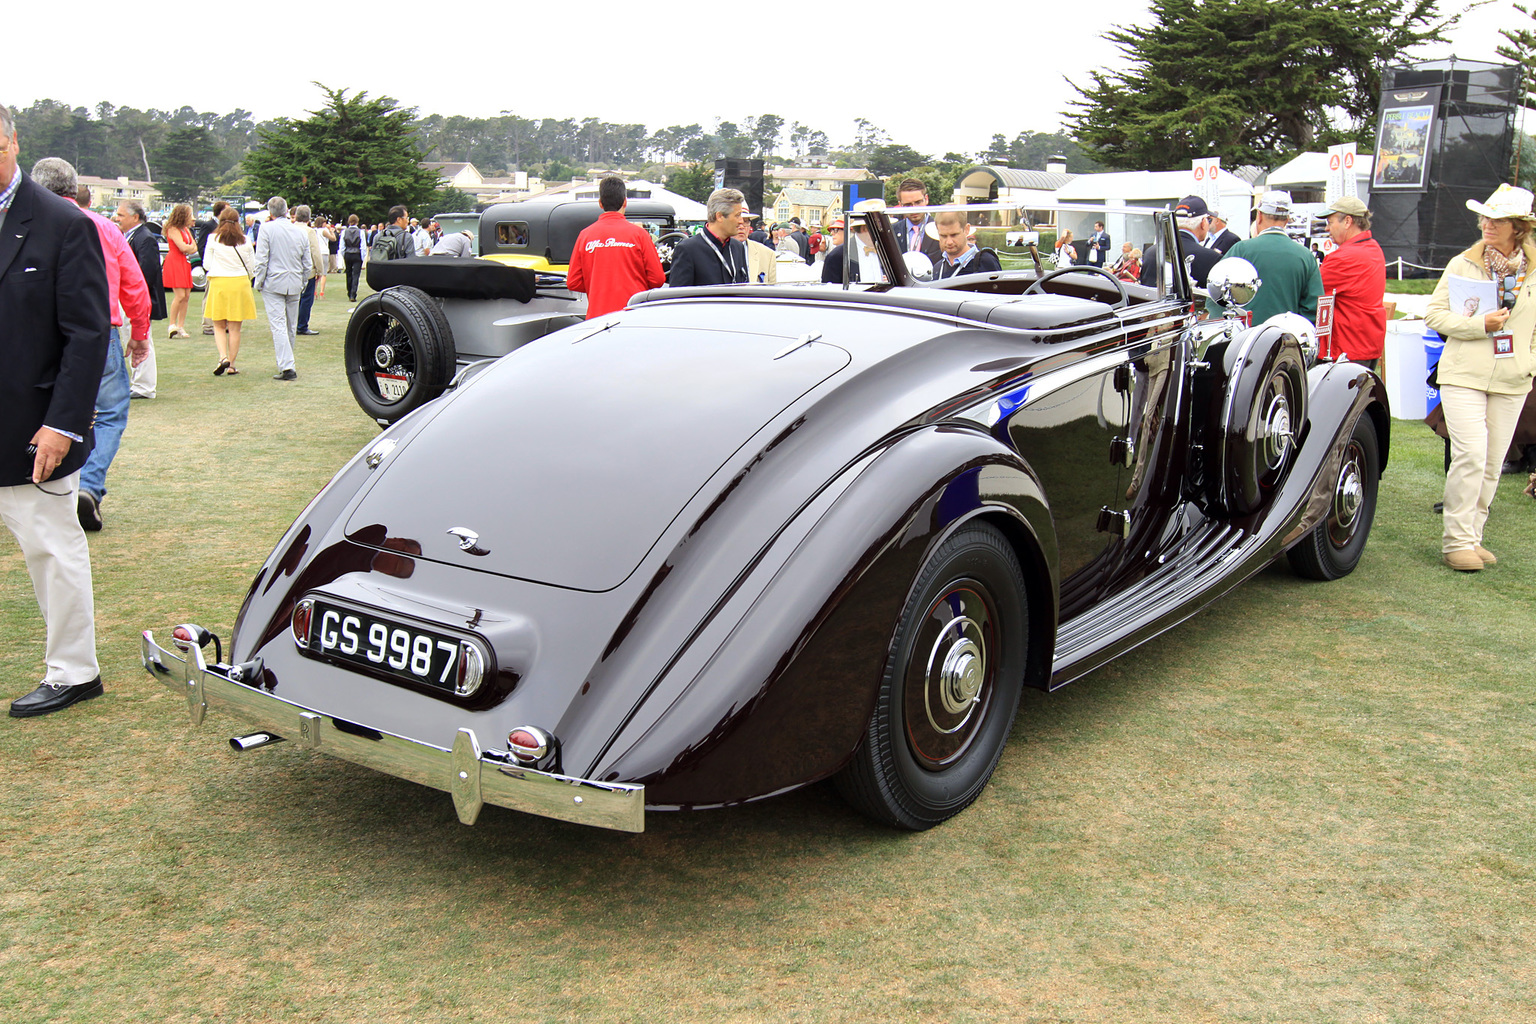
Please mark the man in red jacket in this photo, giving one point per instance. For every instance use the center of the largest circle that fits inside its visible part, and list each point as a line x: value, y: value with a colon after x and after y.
x: 1356, y: 275
x: 613, y: 258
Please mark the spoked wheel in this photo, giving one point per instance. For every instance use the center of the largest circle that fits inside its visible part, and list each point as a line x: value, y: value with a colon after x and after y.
x: 666, y: 248
x: 399, y: 352
x: 951, y: 686
x: 1334, y: 548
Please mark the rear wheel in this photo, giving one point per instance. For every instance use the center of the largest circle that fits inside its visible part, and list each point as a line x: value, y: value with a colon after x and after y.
x: 1334, y: 548
x: 399, y: 352
x: 950, y: 689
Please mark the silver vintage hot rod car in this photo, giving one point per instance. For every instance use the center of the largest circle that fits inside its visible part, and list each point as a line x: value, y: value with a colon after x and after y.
x: 731, y: 541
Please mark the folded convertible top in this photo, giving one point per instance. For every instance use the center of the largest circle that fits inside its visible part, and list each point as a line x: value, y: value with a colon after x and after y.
x: 454, y: 277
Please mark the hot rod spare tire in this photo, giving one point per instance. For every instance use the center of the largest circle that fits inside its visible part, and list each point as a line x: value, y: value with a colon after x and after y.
x: 951, y: 686
x: 399, y: 352
x: 1259, y: 421
x: 666, y: 248
x: 1333, y: 549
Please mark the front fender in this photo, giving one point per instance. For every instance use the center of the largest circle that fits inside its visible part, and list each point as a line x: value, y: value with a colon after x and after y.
x: 780, y: 697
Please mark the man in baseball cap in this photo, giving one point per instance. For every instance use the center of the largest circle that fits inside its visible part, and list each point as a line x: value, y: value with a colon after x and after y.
x: 1356, y: 274
x: 1193, y: 220
x: 1288, y: 272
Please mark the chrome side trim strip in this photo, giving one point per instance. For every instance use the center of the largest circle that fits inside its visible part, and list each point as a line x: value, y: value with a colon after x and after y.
x: 473, y: 777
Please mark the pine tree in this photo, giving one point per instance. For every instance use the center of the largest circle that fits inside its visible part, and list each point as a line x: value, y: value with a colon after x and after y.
x: 355, y: 155
x: 1521, y: 49
x: 1250, y: 81
x: 184, y: 164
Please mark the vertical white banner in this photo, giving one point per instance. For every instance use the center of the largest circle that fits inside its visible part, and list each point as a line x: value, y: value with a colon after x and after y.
x: 1340, y: 181
x: 1207, y: 172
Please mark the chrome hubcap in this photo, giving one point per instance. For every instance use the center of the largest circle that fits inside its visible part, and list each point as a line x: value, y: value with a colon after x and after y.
x: 948, y: 678
x: 1277, y: 430
x: 384, y: 356
x: 1349, y: 495
x: 960, y: 676
x: 1348, y: 498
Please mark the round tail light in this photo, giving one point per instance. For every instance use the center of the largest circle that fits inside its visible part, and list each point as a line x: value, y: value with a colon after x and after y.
x: 303, y: 612
x: 529, y: 744
x: 471, y: 669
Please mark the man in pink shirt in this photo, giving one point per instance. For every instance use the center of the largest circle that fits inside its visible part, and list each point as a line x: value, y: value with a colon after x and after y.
x: 128, y: 293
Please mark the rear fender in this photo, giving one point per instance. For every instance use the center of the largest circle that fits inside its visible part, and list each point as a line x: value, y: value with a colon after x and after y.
x: 784, y: 698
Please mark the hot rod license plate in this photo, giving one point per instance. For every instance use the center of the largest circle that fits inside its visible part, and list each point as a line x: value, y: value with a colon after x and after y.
x: 391, y: 387
x: 408, y: 653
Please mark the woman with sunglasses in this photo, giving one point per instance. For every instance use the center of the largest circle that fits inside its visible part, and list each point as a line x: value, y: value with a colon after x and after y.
x: 1486, y: 370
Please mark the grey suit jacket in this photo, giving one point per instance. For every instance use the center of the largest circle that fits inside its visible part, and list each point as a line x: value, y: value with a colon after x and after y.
x: 283, y: 264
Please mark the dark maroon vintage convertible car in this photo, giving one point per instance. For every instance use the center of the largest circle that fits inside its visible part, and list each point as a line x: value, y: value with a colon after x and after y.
x: 732, y: 541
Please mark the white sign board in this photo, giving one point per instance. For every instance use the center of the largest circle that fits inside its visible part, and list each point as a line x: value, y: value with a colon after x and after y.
x: 1341, y: 172
x: 1207, y: 171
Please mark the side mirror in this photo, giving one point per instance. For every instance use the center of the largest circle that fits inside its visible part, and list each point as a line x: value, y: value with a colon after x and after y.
x: 919, y: 266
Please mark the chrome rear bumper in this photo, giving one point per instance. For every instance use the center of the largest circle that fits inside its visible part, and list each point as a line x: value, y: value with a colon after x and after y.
x: 473, y: 776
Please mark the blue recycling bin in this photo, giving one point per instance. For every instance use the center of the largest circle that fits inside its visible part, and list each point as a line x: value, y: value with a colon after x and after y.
x: 1434, y: 347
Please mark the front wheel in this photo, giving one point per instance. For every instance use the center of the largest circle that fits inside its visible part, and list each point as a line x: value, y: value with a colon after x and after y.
x: 950, y: 689
x: 1333, y: 549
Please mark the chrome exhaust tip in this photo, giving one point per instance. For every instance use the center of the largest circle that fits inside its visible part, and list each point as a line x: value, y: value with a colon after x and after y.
x: 254, y: 740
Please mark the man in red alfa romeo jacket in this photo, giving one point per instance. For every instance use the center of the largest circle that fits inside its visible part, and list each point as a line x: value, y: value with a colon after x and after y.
x: 1356, y: 275
x: 613, y: 258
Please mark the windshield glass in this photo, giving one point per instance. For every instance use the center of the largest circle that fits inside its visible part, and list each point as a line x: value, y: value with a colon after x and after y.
x: 1116, y: 239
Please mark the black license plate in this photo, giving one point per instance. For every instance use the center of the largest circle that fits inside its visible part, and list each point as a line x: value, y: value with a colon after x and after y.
x: 398, y: 650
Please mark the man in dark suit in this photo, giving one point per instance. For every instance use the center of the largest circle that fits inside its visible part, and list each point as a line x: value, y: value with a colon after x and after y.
x: 1221, y: 238
x: 54, y: 305
x: 1192, y: 218
x: 912, y: 230
x: 714, y: 255
x: 146, y: 249
x: 1098, y: 246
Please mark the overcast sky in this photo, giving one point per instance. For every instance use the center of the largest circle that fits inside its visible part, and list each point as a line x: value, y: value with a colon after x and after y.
x: 659, y: 65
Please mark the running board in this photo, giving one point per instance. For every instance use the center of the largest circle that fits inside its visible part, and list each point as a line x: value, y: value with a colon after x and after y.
x: 1216, y: 557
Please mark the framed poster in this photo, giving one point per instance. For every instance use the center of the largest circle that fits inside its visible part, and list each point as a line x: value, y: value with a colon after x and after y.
x: 1403, y: 138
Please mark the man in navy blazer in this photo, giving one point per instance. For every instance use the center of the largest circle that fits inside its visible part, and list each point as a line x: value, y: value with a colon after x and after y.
x: 54, y: 308
x: 714, y: 255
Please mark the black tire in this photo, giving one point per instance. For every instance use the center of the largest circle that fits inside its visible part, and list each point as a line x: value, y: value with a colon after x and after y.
x: 1333, y: 549
x: 1263, y: 409
x: 399, y: 352
x: 950, y: 688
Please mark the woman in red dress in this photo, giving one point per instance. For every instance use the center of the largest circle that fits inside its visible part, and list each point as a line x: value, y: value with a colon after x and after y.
x: 177, y: 272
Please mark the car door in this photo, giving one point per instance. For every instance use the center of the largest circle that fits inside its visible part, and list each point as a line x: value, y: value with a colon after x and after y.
x: 1071, y: 428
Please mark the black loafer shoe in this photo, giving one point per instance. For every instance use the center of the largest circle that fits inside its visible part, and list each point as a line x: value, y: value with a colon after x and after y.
x: 89, y: 511
x: 286, y: 375
x: 48, y: 698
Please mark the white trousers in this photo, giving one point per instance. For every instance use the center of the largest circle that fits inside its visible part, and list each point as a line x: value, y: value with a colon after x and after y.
x: 47, y: 528
x: 283, y: 319
x: 142, y: 378
x: 1481, y: 426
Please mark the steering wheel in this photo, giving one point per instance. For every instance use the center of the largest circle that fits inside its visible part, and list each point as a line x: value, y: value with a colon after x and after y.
x: 1038, y: 286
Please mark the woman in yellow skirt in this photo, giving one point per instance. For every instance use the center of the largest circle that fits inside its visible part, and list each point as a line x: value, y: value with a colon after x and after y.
x: 229, y: 261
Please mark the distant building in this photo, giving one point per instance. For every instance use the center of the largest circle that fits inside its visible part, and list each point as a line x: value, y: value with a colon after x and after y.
x: 107, y: 192
x: 813, y: 206
x: 454, y: 175
x: 465, y: 177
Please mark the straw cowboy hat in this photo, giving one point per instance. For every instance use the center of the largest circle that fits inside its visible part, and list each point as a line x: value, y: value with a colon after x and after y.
x: 1506, y: 203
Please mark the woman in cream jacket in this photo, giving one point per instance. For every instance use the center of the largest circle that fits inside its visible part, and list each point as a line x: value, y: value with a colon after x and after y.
x: 1486, y: 370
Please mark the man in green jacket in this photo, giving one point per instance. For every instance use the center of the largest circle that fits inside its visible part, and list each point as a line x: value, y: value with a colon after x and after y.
x: 1291, y: 280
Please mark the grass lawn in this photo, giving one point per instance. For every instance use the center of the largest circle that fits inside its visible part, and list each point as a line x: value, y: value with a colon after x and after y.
x: 1313, y: 802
